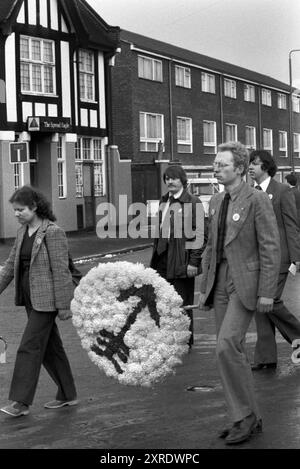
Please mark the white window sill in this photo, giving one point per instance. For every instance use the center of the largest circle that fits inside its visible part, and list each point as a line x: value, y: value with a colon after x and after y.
x: 36, y: 93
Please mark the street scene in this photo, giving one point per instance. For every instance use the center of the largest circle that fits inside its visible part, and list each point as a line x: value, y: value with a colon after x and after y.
x: 122, y: 417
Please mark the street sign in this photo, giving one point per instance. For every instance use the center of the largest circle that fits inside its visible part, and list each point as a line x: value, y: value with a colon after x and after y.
x: 49, y: 124
x: 18, y: 152
x: 33, y: 124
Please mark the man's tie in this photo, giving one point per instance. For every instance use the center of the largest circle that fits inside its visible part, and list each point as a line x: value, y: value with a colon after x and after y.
x: 222, y: 227
x: 163, y: 240
x: 258, y: 187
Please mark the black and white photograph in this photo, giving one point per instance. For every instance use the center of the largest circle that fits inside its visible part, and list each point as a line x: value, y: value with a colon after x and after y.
x: 149, y: 229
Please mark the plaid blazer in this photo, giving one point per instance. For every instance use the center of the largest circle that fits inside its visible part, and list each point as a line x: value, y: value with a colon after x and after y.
x: 50, y: 280
x: 251, y: 247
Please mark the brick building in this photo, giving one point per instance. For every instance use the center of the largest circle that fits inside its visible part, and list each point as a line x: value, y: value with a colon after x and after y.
x: 172, y: 104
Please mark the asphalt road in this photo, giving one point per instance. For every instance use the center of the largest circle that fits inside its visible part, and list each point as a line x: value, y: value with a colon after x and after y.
x: 165, y: 416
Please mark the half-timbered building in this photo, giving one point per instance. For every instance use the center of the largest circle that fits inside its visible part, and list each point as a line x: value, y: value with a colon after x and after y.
x: 55, y: 58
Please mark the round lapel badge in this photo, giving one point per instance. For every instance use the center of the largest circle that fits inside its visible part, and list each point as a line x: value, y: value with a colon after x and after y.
x: 38, y: 241
x: 236, y: 217
x: 270, y: 196
x: 213, y: 211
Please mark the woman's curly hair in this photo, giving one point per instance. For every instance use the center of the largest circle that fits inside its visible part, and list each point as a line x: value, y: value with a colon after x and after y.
x: 30, y: 197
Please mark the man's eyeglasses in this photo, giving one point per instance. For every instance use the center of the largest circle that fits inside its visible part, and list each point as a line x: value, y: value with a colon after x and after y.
x: 220, y: 165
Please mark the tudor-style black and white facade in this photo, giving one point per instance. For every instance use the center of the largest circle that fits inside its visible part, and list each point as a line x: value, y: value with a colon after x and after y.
x: 54, y: 66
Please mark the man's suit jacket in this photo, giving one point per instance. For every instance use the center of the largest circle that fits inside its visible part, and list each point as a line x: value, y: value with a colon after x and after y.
x: 251, y: 247
x: 50, y: 280
x: 296, y: 193
x: 286, y: 215
x: 186, y: 237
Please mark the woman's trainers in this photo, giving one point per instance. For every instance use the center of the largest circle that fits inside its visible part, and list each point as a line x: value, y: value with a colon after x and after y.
x: 16, y: 409
x: 58, y: 404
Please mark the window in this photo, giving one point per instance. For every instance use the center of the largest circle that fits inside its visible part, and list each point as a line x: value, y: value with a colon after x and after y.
x: 61, y: 168
x: 79, y: 180
x: 86, y: 75
x: 89, y: 149
x: 249, y: 93
x: 296, y: 145
x: 98, y: 179
x: 230, y: 88
x: 268, y: 139
x: 266, y: 97
x: 209, y: 137
x: 230, y: 132
x: 296, y: 103
x: 250, y: 137
x: 182, y: 76
x: 281, y: 101
x: 148, y: 68
x: 37, y: 65
x: 18, y: 176
x: 208, y: 84
x: 151, y: 131
x: 283, y: 143
x: 184, y: 135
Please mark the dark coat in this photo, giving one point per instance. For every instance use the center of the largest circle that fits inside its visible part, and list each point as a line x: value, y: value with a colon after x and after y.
x: 185, y: 248
x: 296, y: 193
x: 286, y: 215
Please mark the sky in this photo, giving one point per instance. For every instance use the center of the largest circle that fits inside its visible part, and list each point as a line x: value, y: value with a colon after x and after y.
x: 255, y: 34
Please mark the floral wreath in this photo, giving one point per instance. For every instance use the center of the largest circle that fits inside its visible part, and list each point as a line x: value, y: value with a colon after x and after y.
x: 131, y: 322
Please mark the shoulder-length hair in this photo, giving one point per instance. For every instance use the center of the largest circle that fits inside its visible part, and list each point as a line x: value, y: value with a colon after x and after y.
x: 30, y: 197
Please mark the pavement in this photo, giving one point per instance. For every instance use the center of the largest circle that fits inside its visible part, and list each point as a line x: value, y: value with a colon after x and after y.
x: 168, y: 415
x: 86, y: 244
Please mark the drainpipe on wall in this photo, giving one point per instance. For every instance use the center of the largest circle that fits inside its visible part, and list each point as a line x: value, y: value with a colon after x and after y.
x: 259, y: 118
x: 171, y: 111
x: 221, y: 109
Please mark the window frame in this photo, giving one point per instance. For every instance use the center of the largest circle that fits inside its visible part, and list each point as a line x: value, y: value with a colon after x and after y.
x: 61, y: 163
x: 206, y: 82
x: 210, y: 144
x: 186, y: 83
x: 41, y: 63
x: 151, y: 140
x: 94, y: 156
x: 285, y: 148
x: 270, y: 149
x: 153, y: 61
x: 84, y: 73
x: 296, y: 150
x: 232, y: 88
x: 252, y: 127
x: 249, y: 93
x: 266, y: 97
x: 280, y: 97
x: 187, y: 143
x: 232, y: 126
x: 296, y: 103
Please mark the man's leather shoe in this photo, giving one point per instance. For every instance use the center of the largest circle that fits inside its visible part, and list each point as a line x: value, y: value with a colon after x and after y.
x: 242, y: 430
x: 225, y: 432
x: 263, y: 366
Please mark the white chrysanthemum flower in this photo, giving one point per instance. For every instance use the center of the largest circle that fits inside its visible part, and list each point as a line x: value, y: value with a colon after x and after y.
x: 148, y: 347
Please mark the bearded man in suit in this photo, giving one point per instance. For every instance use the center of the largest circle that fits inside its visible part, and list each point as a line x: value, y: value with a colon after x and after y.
x: 240, y: 271
x: 262, y: 170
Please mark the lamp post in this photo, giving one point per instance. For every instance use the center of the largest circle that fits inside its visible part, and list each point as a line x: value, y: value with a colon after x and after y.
x: 291, y: 109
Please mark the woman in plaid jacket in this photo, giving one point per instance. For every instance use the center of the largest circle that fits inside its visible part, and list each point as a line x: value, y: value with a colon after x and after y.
x: 39, y: 263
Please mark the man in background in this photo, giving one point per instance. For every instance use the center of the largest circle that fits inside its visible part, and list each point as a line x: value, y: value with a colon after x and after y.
x: 262, y: 170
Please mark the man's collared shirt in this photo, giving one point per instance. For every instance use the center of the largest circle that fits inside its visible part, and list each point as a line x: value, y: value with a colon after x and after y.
x: 264, y: 185
x: 167, y: 204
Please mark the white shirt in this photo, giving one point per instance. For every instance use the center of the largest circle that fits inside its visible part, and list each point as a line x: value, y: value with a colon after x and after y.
x: 166, y: 207
x: 264, y: 185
